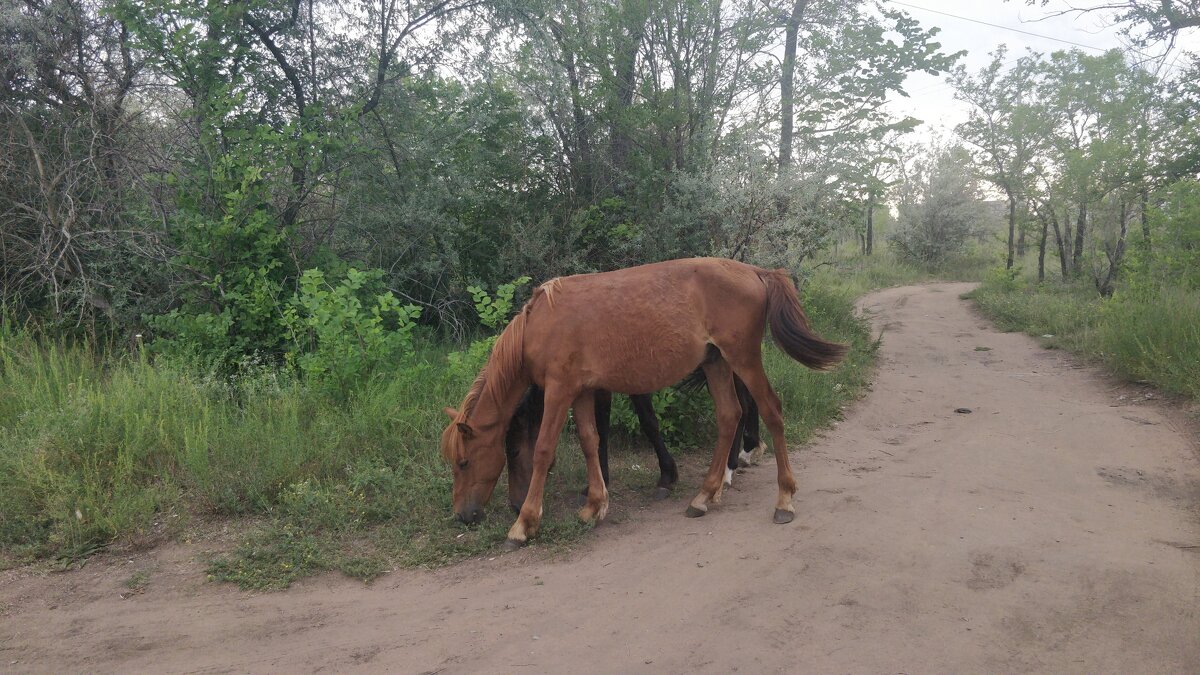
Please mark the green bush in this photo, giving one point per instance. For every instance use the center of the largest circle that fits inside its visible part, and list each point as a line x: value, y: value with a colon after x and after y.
x: 338, y: 336
x: 494, y: 311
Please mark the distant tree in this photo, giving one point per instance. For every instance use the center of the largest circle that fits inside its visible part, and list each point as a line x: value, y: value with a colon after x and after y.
x: 939, y: 206
x: 1006, y: 126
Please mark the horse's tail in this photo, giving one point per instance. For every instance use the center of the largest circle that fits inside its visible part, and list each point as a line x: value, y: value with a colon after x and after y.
x: 789, y: 325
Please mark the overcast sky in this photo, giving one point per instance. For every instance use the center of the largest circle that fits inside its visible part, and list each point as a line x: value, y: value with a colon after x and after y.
x: 932, y: 99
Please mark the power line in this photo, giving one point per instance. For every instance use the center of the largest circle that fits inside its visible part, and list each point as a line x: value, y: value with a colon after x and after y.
x: 996, y: 25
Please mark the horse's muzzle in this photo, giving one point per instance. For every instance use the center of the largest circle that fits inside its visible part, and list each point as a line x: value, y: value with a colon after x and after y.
x: 470, y: 516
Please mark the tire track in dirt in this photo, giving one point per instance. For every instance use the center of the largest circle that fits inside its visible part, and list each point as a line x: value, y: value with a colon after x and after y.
x: 1054, y: 528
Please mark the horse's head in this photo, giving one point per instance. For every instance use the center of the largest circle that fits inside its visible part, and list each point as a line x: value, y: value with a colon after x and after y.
x: 476, y: 456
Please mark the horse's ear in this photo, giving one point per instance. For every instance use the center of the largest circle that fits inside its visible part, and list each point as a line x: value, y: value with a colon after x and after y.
x: 451, y: 412
x: 466, y: 430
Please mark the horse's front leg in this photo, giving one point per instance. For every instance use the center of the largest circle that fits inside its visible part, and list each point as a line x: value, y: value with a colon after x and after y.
x: 589, y: 439
x: 554, y: 416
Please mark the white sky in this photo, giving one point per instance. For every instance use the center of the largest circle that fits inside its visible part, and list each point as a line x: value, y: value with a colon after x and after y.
x: 932, y: 99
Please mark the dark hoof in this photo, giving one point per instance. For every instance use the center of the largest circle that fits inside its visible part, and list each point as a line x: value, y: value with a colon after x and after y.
x: 693, y: 512
x: 783, y: 516
x: 661, y: 493
x: 511, y: 545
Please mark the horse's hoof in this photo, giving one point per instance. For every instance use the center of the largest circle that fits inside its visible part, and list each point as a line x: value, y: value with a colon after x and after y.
x: 693, y: 512
x: 591, y: 515
x: 511, y: 545
x: 783, y: 516
x: 661, y: 493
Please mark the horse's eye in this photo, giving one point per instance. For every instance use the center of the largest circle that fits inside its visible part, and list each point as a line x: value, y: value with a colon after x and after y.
x: 462, y: 464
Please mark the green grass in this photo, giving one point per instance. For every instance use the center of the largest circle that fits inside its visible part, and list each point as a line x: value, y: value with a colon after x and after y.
x: 1152, y: 335
x: 102, y: 450
x: 99, y: 451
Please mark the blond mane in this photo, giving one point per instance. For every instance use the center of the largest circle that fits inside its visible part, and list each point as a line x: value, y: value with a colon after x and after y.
x: 503, y: 365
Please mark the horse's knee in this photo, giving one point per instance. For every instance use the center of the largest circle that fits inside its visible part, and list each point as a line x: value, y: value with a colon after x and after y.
x: 543, y: 460
x: 772, y: 414
x: 589, y: 437
x: 729, y: 417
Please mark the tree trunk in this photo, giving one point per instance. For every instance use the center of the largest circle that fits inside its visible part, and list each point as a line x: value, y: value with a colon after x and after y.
x: 870, y: 237
x: 1012, y: 224
x: 1115, y: 256
x: 1021, y: 242
x: 1145, y: 216
x: 580, y: 157
x: 1042, y: 251
x: 625, y: 71
x: 705, y: 112
x: 1059, y: 241
x: 787, y: 104
x: 1080, y: 228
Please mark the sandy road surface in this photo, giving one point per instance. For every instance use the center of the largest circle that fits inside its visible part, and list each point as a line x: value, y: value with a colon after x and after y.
x: 1054, y: 529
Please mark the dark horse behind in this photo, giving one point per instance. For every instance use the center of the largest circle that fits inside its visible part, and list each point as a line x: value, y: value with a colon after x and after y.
x: 523, y: 432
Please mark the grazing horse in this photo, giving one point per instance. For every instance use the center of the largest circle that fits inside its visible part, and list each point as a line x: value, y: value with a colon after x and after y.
x: 630, y: 331
x: 523, y: 432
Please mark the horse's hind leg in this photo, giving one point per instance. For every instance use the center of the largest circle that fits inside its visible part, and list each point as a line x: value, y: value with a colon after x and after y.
x: 589, y: 439
x: 554, y: 417
x: 753, y: 445
x: 720, y: 385
x: 771, y: 409
x: 668, y: 473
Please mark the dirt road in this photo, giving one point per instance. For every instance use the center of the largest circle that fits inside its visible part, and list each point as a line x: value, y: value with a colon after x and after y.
x: 1053, y: 529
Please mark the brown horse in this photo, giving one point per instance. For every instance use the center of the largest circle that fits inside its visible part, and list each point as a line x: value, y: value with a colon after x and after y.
x: 630, y: 331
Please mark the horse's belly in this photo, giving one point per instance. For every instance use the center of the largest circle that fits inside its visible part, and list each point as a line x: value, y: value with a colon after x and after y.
x: 643, y: 368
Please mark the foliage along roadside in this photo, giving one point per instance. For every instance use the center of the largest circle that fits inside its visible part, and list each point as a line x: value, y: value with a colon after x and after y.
x: 1150, y: 336
x: 1148, y: 329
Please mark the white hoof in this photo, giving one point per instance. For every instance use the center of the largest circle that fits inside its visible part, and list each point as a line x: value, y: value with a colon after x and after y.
x: 728, y: 477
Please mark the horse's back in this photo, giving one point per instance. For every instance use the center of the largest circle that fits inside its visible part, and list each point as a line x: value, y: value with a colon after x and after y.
x: 639, y: 329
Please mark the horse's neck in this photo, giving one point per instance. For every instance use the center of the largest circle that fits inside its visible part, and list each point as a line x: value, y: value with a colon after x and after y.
x: 496, y: 407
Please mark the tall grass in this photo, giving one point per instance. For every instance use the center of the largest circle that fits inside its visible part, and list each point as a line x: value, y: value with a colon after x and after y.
x: 97, y: 450
x: 1152, y: 335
